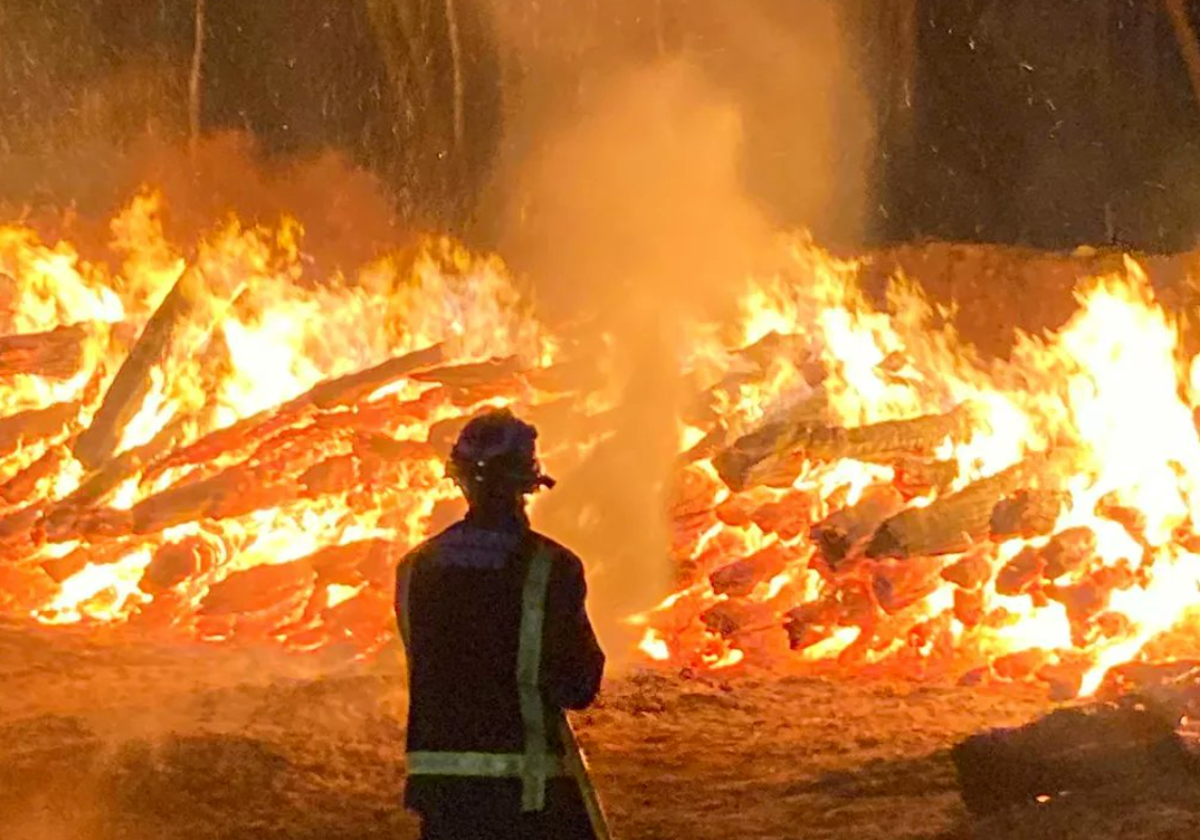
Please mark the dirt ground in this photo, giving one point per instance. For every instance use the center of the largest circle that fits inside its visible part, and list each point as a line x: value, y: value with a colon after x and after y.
x: 103, y: 739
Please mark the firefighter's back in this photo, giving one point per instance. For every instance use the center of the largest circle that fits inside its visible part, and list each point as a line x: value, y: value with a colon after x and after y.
x: 464, y: 608
x: 499, y: 645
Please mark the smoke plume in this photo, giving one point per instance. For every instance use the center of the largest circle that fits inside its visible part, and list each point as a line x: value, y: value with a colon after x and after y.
x: 639, y: 199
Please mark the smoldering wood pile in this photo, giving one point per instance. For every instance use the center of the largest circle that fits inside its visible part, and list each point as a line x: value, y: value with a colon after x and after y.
x: 1139, y: 735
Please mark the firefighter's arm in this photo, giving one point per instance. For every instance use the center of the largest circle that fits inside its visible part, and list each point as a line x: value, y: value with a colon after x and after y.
x: 403, y: 581
x: 574, y: 662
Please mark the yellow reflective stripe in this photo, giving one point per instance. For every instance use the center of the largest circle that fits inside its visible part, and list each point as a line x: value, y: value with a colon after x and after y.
x: 488, y: 765
x: 576, y: 765
x: 529, y: 664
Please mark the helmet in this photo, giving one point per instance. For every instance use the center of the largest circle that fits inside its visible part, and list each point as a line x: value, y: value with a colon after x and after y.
x: 497, y: 450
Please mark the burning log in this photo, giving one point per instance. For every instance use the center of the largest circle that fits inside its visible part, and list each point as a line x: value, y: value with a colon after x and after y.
x: 1022, y: 664
x: 476, y: 375
x: 128, y: 389
x: 234, y: 492
x: 56, y: 354
x: 729, y: 618
x: 1068, y: 751
x: 354, y: 387
x: 61, y: 568
x: 780, y: 447
x: 1027, y: 513
x: 917, y: 476
x: 810, y: 624
x: 126, y: 465
x: 972, y: 571
x: 844, y: 533
x: 364, y: 561
x: 1065, y: 676
x: 788, y: 517
x: 68, y: 522
x: 22, y: 485
x: 25, y: 427
x: 1086, y: 600
x: 1022, y: 573
x: 695, y: 491
x: 1068, y: 550
x: 20, y: 533
x: 900, y: 584
x: 969, y: 607
x: 258, y: 588
x: 237, y: 440
x: 739, y: 507
x: 686, y: 534
x: 950, y: 524
x: 740, y: 577
x: 175, y: 562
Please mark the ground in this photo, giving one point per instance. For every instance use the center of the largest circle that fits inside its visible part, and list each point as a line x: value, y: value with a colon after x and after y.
x: 103, y: 739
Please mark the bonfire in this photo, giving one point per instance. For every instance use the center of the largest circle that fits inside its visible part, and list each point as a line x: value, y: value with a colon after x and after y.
x: 215, y: 445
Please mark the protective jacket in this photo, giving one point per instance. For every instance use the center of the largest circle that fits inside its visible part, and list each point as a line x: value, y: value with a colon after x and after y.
x: 499, y: 645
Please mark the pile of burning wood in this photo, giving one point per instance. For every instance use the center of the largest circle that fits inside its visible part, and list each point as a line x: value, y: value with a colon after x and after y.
x: 853, y: 485
x: 881, y: 546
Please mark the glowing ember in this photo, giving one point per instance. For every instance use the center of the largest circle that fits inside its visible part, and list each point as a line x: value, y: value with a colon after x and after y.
x: 855, y: 484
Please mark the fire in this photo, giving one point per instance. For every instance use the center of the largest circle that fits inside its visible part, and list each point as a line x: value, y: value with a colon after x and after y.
x: 1104, y: 404
x: 225, y: 445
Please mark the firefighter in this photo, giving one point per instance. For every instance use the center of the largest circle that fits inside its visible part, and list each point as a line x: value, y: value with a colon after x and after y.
x: 499, y: 645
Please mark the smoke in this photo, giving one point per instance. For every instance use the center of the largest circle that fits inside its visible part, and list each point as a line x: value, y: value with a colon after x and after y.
x: 636, y: 204
x: 632, y: 223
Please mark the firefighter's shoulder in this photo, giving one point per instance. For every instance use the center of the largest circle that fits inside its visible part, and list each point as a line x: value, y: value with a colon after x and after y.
x: 426, y: 548
x: 565, y: 561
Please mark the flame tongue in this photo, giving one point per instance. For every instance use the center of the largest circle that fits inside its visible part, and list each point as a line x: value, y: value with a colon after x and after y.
x: 857, y: 485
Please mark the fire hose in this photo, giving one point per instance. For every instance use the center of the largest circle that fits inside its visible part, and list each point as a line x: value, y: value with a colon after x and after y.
x: 577, y: 766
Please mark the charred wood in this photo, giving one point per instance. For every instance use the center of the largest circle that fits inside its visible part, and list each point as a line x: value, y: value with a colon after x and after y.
x: 916, y: 476
x: 1022, y: 573
x: 810, y: 624
x: 969, y: 607
x: 25, y: 427
x: 354, y: 387
x: 950, y: 524
x: 898, y: 584
x: 740, y: 577
x: 844, y: 533
x: 729, y: 618
x: 1068, y: 550
x: 22, y: 532
x: 1068, y: 751
x: 780, y: 447
x: 258, y: 588
x: 56, y: 354
x: 175, y: 562
x: 695, y: 491
x: 475, y: 375
x: 1022, y: 664
x: 787, y: 517
x: 1065, y: 676
x: 1027, y: 513
x: 971, y: 571
x: 22, y: 485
